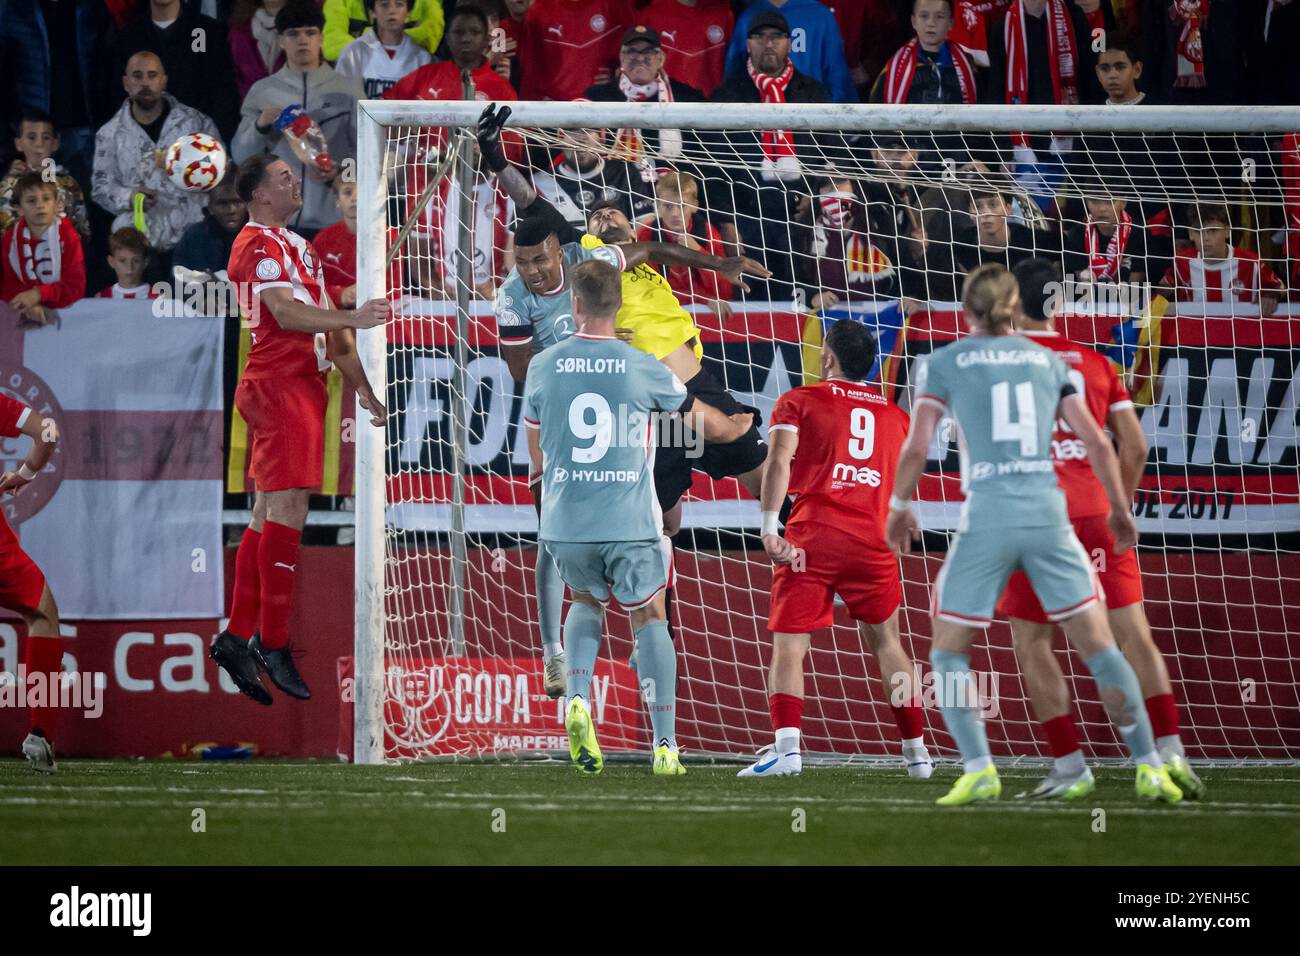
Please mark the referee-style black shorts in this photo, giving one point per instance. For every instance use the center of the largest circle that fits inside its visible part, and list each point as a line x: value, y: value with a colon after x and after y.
x: 673, y: 467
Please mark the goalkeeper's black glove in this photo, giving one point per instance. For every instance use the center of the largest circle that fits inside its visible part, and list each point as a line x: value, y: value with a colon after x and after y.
x: 489, y: 137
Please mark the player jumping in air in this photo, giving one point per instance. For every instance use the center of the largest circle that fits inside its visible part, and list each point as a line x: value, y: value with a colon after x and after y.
x: 23, y: 587
x: 834, y: 446
x: 296, y: 333
x: 1121, y: 580
x: 534, y: 311
x: 1004, y: 393
x: 589, y: 406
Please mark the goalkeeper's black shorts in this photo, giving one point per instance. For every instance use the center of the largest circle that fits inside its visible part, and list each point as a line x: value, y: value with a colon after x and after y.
x: 674, y: 462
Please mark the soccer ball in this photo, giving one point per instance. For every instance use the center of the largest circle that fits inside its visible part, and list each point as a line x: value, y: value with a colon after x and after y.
x: 195, y: 162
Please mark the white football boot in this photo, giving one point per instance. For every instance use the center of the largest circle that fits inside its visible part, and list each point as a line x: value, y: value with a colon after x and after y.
x: 772, y: 764
x: 39, y: 753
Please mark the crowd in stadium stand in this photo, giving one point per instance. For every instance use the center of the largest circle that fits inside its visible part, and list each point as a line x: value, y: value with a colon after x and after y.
x: 97, y: 87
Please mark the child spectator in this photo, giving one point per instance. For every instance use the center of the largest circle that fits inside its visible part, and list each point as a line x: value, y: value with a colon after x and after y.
x: 928, y: 68
x: 42, y: 266
x: 254, y: 44
x: 679, y: 219
x: 695, y: 34
x: 37, y: 142
x: 345, y: 20
x: 128, y: 255
x: 330, y: 100
x: 336, y: 247
x: 206, y: 245
x: 819, y: 54
x: 384, y: 53
x: 569, y: 45
x: 1217, y: 271
x: 993, y: 237
x: 1113, y: 245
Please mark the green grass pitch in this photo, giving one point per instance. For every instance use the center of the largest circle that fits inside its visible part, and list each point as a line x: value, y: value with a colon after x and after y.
x: 143, y: 812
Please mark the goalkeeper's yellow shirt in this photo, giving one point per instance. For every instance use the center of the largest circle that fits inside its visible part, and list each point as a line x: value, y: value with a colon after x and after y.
x: 650, y: 309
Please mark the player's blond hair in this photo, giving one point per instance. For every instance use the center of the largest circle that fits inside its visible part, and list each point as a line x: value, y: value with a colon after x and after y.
x: 991, y: 296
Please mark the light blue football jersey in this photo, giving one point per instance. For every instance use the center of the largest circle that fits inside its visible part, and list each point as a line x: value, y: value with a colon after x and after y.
x: 544, y: 319
x: 1003, y: 392
x: 593, y: 400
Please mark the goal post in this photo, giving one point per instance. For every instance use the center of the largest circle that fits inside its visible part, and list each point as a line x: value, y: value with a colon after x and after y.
x: 447, y: 656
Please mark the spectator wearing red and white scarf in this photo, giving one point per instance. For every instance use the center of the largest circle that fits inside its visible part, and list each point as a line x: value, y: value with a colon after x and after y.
x: 1041, y: 51
x: 928, y: 68
x: 42, y: 265
x: 1115, y: 244
x: 642, y: 79
x: 1196, y: 51
x: 768, y: 179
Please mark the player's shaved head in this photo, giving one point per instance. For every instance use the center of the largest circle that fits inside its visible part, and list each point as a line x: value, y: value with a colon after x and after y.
x: 597, y: 291
x: 1040, y: 282
x: 852, y: 347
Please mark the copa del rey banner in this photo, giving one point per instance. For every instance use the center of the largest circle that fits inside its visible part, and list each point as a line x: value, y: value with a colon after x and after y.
x: 126, y: 520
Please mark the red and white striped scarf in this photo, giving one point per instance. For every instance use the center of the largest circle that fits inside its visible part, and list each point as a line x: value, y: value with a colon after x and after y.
x: 628, y: 143
x: 37, y: 259
x: 777, y: 143
x: 1191, y: 40
x: 1106, y: 265
x: 901, y: 70
x: 1062, y: 54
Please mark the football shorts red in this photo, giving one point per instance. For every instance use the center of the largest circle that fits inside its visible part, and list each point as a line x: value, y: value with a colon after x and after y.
x: 1119, y: 574
x: 21, y: 581
x: 286, y: 428
x: 866, y: 579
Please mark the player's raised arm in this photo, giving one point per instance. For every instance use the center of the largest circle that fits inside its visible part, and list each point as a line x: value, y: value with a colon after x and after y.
x: 300, y: 317
x: 782, y: 442
x: 732, y: 268
x: 1102, y: 458
x: 45, y: 435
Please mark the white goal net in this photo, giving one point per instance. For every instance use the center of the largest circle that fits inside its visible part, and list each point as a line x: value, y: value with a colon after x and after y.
x: 1176, y: 234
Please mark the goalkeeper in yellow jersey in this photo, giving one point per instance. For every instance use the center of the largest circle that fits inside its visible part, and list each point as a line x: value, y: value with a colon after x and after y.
x: 533, y: 311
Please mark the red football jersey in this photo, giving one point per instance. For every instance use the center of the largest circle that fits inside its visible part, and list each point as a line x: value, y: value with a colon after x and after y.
x: 115, y: 291
x: 1239, y: 278
x: 566, y: 42
x: 267, y: 258
x: 13, y: 416
x: 695, y: 39
x: 337, y: 249
x: 1094, y: 378
x: 843, y: 470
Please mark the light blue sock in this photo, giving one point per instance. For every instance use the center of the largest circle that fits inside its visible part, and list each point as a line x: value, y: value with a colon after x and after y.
x: 957, y: 703
x: 582, y: 631
x: 550, y: 602
x: 657, y: 671
x: 1112, y: 672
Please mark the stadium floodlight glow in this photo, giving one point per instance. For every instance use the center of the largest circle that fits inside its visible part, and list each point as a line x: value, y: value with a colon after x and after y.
x: 445, y: 618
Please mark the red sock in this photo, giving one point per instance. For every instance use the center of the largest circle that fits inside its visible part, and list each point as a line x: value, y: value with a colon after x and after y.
x: 787, y: 711
x: 277, y: 559
x: 247, y: 599
x: 44, y: 656
x: 1062, y: 737
x: 1164, y: 715
x: 909, y: 720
